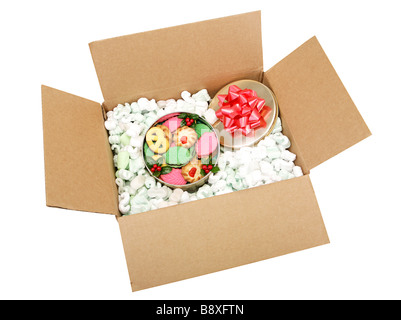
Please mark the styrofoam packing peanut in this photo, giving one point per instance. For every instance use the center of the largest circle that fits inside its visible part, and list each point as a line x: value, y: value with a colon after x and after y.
x: 171, y: 103
x: 114, y: 139
x: 134, y: 130
x: 176, y: 195
x: 137, y: 182
x: 202, y: 95
x: 143, y: 103
x: 297, y: 171
x: 161, y: 103
x: 125, y: 174
x: 185, y: 197
x: 110, y: 124
x: 286, y: 165
x: 218, y: 186
x: 158, y: 193
x: 273, y: 152
x: 277, y: 129
x: 135, y: 108
x: 204, y: 105
x: 288, y: 155
x: 123, y: 203
x: 136, y: 164
x: 136, y: 142
x: 115, y: 148
x: 150, y: 182
x: 210, y: 116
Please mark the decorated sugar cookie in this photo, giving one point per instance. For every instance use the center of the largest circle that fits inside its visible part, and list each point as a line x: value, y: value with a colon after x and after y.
x: 207, y: 144
x: 185, y: 137
x: 201, y: 128
x: 157, y: 140
x: 166, y: 131
x: 192, y: 171
x: 179, y: 156
x: 174, y: 177
x: 173, y: 123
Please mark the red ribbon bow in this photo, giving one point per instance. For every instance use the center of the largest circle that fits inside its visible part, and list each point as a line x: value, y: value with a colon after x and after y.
x: 242, y: 110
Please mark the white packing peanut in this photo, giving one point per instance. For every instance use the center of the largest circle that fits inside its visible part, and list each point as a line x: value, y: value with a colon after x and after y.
x: 137, y: 182
x: 125, y: 174
x: 210, y: 116
x: 286, y: 165
x: 176, y: 195
x: 124, y: 199
x: 297, y: 171
x: 161, y: 103
x: 150, y: 182
x: 201, y: 95
x: 288, y: 155
x: 185, y: 197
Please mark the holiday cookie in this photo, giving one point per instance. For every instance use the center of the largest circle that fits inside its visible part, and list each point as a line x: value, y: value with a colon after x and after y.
x: 157, y: 140
x: 173, y: 123
x: 179, y: 156
x: 201, y: 128
x: 147, y: 151
x: 168, y: 116
x: 174, y: 177
x: 192, y: 171
x: 166, y: 131
x: 207, y: 144
x: 185, y: 137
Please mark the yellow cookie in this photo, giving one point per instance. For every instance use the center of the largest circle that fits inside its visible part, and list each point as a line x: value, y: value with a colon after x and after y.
x: 157, y: 140
x: 166, y: 131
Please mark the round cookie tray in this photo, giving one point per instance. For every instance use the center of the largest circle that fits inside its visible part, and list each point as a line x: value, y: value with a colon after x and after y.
x: 190, y: 187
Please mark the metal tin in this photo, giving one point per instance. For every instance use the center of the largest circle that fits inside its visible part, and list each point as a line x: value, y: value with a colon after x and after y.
x: 238, y: 140
x: 190, y: 187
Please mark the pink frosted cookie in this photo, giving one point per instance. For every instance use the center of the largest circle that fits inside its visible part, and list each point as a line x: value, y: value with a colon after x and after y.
x: 206, y: 145
x: 168, y: 116
x: 174, y: 177
x: 173, y: 123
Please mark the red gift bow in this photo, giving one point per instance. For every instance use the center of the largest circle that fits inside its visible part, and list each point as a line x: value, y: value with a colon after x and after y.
x: 241, y: 110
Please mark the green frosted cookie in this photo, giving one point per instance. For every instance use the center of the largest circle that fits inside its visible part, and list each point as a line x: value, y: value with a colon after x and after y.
x: 179, y: 156
x: 201, y: 128
x: 147, y: 151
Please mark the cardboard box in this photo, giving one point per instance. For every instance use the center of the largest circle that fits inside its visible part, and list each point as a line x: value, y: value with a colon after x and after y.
x: 220, y: 232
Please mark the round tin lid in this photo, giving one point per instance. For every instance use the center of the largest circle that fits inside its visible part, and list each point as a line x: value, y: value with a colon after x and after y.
x: 238, y: 140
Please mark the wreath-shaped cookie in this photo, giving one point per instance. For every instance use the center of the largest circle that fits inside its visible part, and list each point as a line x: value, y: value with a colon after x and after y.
x: 157, y: 140
x: 185, y: 137
x: 192, y: 171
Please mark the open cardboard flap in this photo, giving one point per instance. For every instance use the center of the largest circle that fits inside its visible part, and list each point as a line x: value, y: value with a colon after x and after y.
x: 322, y: 116
x: 79, y: 172
x: 160, y: 64
x: 221, y: 232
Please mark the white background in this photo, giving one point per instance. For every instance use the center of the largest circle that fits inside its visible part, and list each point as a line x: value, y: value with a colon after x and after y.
x: 63, y: 254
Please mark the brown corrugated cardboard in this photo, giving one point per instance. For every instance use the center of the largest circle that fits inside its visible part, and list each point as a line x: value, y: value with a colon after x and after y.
x: 78, y: 160
x: 206, y: 54
x: 220, y: 232
x: 322, y: 116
